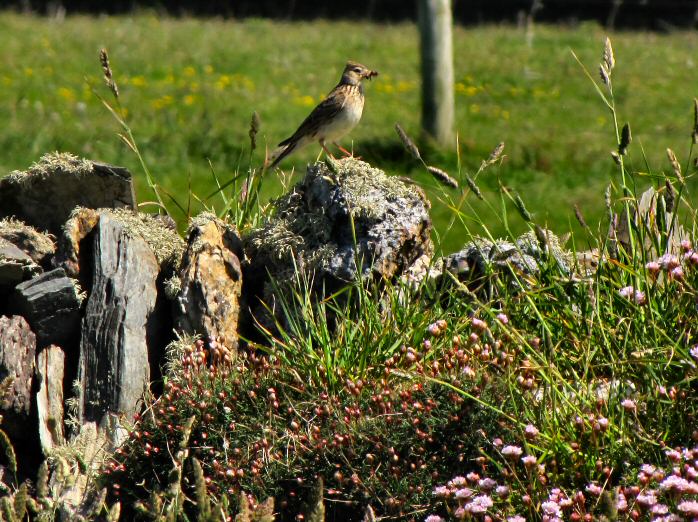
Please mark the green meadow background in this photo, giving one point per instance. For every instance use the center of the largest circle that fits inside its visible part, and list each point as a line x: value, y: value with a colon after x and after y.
x: 189, y: 87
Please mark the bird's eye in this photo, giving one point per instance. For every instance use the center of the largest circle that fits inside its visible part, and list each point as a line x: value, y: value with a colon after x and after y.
x: 357, y: 70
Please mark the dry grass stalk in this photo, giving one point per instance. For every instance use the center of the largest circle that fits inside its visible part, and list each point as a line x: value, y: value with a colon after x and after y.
x: 442, y: 176
x: 695, y: 121
x: 407, y: 142
x: 108, y: 76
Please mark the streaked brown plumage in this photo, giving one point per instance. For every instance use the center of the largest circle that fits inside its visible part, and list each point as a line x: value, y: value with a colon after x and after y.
x: 334, y: 117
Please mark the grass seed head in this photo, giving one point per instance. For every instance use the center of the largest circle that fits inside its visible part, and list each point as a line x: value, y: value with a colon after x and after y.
x: 625, y: 139
x: 608, y: 59
x: 669, y: 196
x: 521, y: 207
x: 496, y: 153
x: 580, y: 217
x: 407, y: 142
x: 675, y: 165
x: 476, y: 190
x: 108, y: 76
x: 255, y: 123
x: 442, y: 176
x: 605, y: 74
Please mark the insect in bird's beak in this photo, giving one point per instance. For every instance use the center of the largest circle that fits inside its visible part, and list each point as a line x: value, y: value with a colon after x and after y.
x: 370, y: 74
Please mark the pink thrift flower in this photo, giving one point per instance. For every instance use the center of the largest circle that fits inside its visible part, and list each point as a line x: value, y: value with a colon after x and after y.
x: 594, y: 489
x: 529, y: 461
x: 647, y: 499
x: 531, y: 432
x: 502, y: 491
x: 441, y: 492
x: 628, y: 404
x: 479, y: 504
x: 502, y: 318
x: 551, y: 508
x: 487, y: 484
x: 479, y: 324
x: 512, y: 451
x: 689, y: 508
x: 676, y: 273
x: 464, y: 493
x: 434, y: 518
x: 653, y: 267
x: 694, y: 352
x: 457, y: 481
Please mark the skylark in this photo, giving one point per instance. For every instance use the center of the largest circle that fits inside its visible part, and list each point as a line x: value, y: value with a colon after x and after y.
x: 334, y: 117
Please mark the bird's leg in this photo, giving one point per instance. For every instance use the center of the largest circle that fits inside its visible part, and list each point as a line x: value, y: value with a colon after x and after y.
x: 322, y: 144
x: 345, y: 151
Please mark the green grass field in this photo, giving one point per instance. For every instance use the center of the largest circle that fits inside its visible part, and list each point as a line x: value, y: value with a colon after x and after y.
x: 190, y: 86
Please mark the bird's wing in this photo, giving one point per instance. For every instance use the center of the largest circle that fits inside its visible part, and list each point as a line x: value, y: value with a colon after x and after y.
x: 324, y: 112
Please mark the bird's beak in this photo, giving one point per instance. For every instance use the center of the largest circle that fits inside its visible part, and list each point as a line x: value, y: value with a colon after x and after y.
x: 371, y: 74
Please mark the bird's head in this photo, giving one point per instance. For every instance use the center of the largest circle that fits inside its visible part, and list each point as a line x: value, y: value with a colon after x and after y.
x: 355, y: 72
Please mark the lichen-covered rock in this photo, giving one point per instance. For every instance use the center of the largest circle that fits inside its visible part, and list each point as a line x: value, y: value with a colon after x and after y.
x: 45, y: 194
x: 17, y: 352
x: 208, y: 302
x: 481, y: 259
x: 50, y: 304
x: 345, y: 219
x: 37, y: 245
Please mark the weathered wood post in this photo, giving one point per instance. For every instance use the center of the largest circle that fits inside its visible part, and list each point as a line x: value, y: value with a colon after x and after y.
x: 436, y: 45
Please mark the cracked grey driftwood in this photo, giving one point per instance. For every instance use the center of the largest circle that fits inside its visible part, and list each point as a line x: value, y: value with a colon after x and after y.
x: 50, y: 304
x: 114, y: 368
x: 17, y: 352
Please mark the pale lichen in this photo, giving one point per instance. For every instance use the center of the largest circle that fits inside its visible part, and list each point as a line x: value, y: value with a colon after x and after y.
x: 52, y: 164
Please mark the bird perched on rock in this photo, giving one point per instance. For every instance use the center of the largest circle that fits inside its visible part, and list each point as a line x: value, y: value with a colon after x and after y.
x: 334, y: 117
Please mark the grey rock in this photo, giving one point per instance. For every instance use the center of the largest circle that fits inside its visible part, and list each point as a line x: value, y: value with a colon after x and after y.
x: 37, y: 245
x: 114, y: 367
x: 50, y: 304
x: 17, y: 352
x: 45, y: 195
x: 482, y: 259
x: 15, y: 266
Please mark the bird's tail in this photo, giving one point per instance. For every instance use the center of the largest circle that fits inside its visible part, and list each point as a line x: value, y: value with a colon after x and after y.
x: 281, y: 153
